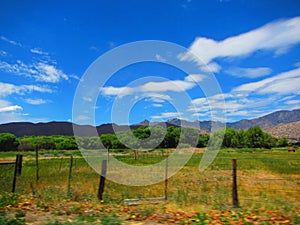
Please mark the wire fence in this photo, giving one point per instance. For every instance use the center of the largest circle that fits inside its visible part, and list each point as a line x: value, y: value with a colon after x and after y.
x: 269, y: 180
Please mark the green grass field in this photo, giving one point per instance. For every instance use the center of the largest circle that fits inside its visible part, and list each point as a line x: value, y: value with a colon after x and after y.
x: 268, y: 181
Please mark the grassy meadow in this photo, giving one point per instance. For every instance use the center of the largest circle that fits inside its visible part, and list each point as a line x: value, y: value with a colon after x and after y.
x: 268, y: 190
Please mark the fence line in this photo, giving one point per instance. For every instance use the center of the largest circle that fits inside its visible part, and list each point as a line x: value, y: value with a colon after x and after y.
x: 220, y: 184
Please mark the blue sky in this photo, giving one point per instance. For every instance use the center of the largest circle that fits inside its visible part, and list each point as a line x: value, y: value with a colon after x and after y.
x: 251, y: 47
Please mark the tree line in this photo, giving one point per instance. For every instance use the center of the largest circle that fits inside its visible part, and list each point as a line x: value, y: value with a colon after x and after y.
x: 254, y: 137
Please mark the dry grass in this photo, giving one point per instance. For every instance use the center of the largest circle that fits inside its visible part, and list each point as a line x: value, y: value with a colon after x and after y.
x: 259, y: 185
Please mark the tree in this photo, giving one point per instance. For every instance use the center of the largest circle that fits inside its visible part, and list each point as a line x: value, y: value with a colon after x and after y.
x: 25, y: 145
x: 282, y: 142
x: 108, y: 140
x: 142, y: 132
x: 172, y: 137
x: 8, y: 142
x: 65, y: 143
x: 242, y: 139
x: 231, y: 138
x: 203, y: 140
x: 269, y: 141
x: 44, y: 142
x: 189, y: 136
x: 255, y: 136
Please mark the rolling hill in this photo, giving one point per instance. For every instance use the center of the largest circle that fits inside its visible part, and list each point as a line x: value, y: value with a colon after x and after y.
x: 280, y: 123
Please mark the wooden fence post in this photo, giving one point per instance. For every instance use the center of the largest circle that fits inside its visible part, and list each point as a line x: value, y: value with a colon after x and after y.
x: 102, y: 180
x: 37, y: 163
x: 166, y: 180
x: 235, y: 201
x: 15, y: 174
x: 19, y: 166
x: 135, y: 154
x: 70, y: 176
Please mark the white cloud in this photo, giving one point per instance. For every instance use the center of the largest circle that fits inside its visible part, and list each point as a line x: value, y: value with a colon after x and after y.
x: 157, y: 97
x: 8, y: 89
x: 166, y: 115
x: 293, y: 102
x: 82, y: 118
x: 14, y: 113
x: 155, y: 87
x: 249, y: 72
x: 35, y: 101
x: 87, y: 99
x: 172, y: 85
x: 297, y: 64
x: 10, y: 41
x: 253, y: 99
x: 283, y: 83
x: 212, y: 67
x: 74, y: 76
x: 49, y: 73
x: 160, y: 58
x: 10, y: 108
x: 277, y: 36
x: 195, y: 78
x: 3, y: 53
x: 157, y: 105
x: 39, y: 71
x: 120, y: 91
x: 38, y: 51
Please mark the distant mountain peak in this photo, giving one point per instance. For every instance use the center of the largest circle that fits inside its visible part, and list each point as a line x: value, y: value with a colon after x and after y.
x: 143, y: 123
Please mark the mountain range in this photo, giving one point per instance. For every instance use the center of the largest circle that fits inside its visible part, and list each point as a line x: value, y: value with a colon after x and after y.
x: 280, y: 123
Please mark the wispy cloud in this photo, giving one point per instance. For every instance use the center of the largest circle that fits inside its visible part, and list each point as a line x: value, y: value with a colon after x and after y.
x: 49, y: 73
x: 35, y: 101
x: 189, y: 82
x: 253, y: 99
x: 277, y: 36
x: 249, y: 72
x: 10, y: 108
x: 166, y: 115
x: 38, y: 51
x: 40, y: 71
x: 293, y: 102
x: 157, y: 105
x: 3, y: 53
x: 10, y: 41
x: 8, y: 89
x: 158, y: 97
x: 14, y: 113
x: 283, y: 83
x: 160, y: 58
x: 87, y: 99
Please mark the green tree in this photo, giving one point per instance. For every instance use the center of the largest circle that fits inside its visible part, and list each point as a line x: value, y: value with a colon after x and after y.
x: 172, y: 137
x: 44, y: 142
x: 142, y: 132
x: 8, y: 142
x: 269, y: 141
x: 216, y: 139
x: 231, y: 138
x: 25, y: 145
x: 189, y: 136
x: 242, y: 139
x: 65, y: 142
x: 203, y: 140
x: 282, y: 142
x: 255, y: 137
x: 108, y: 140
